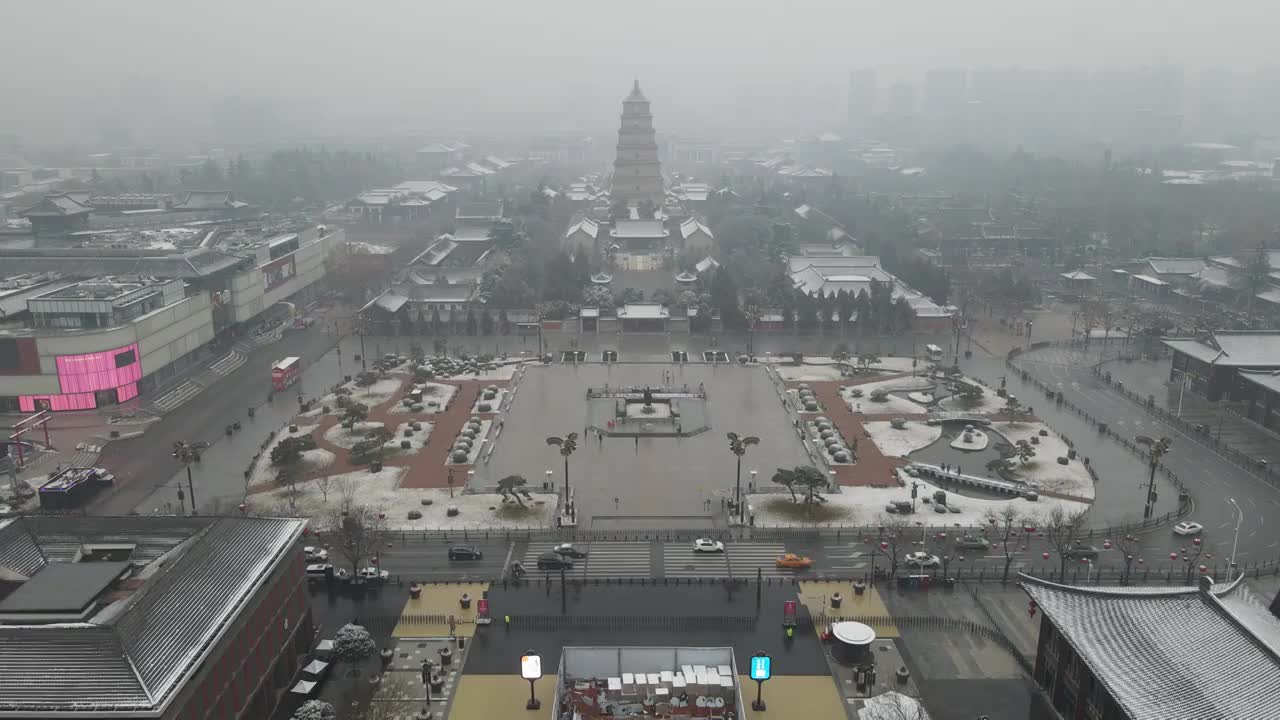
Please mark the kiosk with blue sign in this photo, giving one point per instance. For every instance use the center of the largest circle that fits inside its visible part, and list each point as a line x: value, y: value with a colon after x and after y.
x: 761, y: 670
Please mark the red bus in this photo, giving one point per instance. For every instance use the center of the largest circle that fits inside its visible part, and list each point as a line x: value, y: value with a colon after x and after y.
x: 286, y: 372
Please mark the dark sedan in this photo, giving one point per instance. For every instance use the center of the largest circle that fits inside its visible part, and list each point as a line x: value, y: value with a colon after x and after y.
x: 465, y: 552
x: 553, y: 561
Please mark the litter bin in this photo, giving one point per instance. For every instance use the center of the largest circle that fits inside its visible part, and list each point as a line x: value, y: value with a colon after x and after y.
x: 859, y: 587
x: 465, y: 601
x: 836, y: 599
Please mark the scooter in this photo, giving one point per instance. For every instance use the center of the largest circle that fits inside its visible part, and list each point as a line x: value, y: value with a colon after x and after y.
x: 518, y: 571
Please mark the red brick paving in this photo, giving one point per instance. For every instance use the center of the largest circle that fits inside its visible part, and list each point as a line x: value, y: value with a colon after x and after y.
x: 426, y: 468
x: 873, y: 468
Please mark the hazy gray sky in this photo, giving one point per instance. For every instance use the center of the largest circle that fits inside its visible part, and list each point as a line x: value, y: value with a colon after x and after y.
x: 516, y: 55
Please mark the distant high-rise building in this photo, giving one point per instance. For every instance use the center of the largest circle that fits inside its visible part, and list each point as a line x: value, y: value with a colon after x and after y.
x: 862, y: 101
x: 637, y: 175
x: 902, y: 99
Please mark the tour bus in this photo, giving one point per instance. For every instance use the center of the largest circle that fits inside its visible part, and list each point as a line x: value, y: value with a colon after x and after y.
x: 933, y: 353
x: 286, y: 372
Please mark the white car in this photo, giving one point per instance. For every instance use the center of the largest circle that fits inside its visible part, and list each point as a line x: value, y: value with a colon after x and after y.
x: 373, y: 573
x: 315, y: 554
x: 707, y: 545
x: 1187, y: 528
x: 922, y: 559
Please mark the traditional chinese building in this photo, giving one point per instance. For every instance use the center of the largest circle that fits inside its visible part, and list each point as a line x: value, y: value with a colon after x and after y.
x: 637, y: 176
x: 1139, y: 653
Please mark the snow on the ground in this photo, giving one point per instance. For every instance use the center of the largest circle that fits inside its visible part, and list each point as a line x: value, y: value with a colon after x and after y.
x: 416, y: 440
x: 896, y: 364
x: 435, y: 398
x: 988, y: 404
x: 923, y: 398
x: 894, y: 403
x: 494, y: 404
x: 377, y: 393
x: 864, y: 507
x: 977, y: 442
x: 808, y: 373
x: 900, y: 443
x: 381, y: 492
x: 793, y: 396
x: 264, y: 471
x: 477, y: 445
x: 501, y: 372
x: 344, y: 438
x: 1044, y: 470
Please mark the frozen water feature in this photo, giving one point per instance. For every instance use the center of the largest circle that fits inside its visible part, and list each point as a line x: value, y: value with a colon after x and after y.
x: 970, y: 440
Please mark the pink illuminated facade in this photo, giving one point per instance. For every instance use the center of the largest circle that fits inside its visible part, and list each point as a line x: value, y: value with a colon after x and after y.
x: 90, y: 380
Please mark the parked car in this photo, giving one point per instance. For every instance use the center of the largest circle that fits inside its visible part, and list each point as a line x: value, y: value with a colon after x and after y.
x: 465, y: 552
x: 972, y: 542
x: 315, y: 554
x: 568, y: 550
x: 902, y: 507
x: 793, y: 561
x: 922, y: 560
x: 1187, y: 528
x: 552, y: 561
x: 707, y: 545
x: 1083, y: 551
x: 319, y: 570
x: 373, y: 574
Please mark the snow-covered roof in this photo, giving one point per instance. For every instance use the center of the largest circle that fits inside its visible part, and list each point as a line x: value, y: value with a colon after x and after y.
x: 1268, y: 379
x: 684, y: 276
x: 1259, y: 349
x: 601, y: 278
x: 1150, y: 280
x: 638, y: 229
x: 705, y: 264
x: 1171, y: 652
x: 135, y: 658
x: 589, y: 312
x: 1175, y: 266
x: 1213, y: 276
x: 391, y: 301
x: 586, y: 225
x: 643, y: 311
x: 425, y: 187
x: 1078, y: 275
x: 691, y: 226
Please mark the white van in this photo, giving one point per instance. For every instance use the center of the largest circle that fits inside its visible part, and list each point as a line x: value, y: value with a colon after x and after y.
x: 933, y: 353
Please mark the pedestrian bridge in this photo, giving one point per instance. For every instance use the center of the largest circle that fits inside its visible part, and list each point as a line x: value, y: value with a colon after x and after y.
x: 1009, y: 487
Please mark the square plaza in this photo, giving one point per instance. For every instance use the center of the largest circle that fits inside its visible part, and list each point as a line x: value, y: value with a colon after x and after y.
x: 667, y: 480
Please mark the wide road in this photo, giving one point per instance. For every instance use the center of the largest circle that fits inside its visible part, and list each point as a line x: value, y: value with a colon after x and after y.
x: 744, y: 559
x: 1210, y: 478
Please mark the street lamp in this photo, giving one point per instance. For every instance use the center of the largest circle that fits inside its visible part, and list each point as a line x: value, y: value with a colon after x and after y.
x: 186, y: 453
x: 567, y: 445
x: 1236, y: 539
x: 738, y: 446
x: 1157, y: 450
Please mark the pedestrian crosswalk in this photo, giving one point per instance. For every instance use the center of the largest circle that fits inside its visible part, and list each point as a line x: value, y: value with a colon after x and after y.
x: 174, y: 399
x: 746, y: 558
x: 739, y: 560
x: 679, y: 560
x: 848, y: 556
x: 228, y: 363
x: 604, y: 559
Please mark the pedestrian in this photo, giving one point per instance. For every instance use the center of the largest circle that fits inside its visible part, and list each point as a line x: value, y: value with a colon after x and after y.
x: 721, y: 503
x: 958, y: 470
x: 637, y: 442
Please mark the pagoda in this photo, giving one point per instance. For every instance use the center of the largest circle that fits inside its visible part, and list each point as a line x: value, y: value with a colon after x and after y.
x: 637, y: 176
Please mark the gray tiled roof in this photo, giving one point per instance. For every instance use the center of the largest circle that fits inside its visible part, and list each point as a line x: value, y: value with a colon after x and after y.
x: 135, y: 657
x: 1169, y: 652
x: 1259, y: 349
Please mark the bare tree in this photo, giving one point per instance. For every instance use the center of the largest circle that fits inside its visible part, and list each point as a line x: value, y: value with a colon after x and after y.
x: 358, y: 533
x: 1128, y: 547
x: 1006, y: 525
x: 347, y: 492
x: 1062, y: 531
x: 892, y: 535
x: 323, y: 484
x: 894, y: 705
